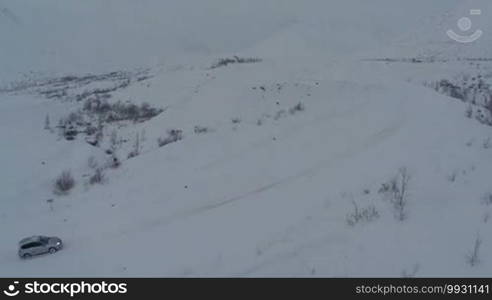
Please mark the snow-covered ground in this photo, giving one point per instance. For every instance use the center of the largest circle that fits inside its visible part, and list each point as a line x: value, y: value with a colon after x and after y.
x: 332, y: 112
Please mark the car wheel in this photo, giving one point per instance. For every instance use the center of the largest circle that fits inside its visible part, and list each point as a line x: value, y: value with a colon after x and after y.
x: 52, y: 250
x: 26, y: 255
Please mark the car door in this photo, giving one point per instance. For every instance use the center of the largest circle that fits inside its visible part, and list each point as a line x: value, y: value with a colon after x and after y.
x: 37, y: 248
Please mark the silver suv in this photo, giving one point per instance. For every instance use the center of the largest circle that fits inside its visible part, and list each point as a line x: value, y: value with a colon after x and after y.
x: 36, y: 245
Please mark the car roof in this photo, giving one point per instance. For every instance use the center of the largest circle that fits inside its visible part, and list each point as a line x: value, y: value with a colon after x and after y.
x: 34, y: 238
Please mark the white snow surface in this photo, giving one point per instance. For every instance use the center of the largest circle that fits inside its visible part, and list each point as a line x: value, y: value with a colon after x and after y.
x: 267, y: 194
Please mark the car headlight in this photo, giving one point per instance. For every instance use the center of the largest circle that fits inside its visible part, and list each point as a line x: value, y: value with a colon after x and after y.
x: 58, y: 243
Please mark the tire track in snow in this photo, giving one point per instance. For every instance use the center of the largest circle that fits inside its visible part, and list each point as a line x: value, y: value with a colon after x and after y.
x: 356, y: 148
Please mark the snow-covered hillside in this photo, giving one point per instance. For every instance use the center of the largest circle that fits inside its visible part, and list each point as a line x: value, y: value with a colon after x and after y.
x: 312, y: 138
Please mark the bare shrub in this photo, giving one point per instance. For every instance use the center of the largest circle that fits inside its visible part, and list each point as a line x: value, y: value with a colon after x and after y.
x: 96, y: 106
x: 279, y: 114
x: 90, y: 130
x: 67, y: 129
x: 223, y: 62
x: 452, y: 177
x: 95, y: 134
x: 473, y: 258
x: 297, y: 108
x: 366, y: 214
x: 132, y: 154
x: 114, y: 141
x: 486, y: 217
x: 64, y: 183
x: 487, y: 199
x: 473, y: 90
x: 201, y: 129
x: 50, y: 203
x: 61, y: 127
x: 469, y: 111
x: 488, y: 106
x: 396, y: 190
x: 147, y: 112
x: 47, y: 125
x: 136, y: 147
x: 75, y: 117
x: 487, y: 143
x: 120, y: 111
x: 114, y: 162
x: 173, y: 135
x: 99, y: 135
x: 98, y: 177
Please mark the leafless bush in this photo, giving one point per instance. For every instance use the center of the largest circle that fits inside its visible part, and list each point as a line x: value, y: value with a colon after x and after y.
x: 297, y: 108
x: 75, y: 117
x: 114, y: 141
x: 235, y: 60
x: 473, y: 90
x: 67, y: 129
x: 487, y: 199
x: 486, y: 217
x: 136, y: 147
x: 201, y: 129
x: 97, y: 106
x: 400, y: 194
x: 469, y: 111
x: 99, y: 134
x: 98, y: 177
x: 173, y: 136
x: 47, y: 125
x: 114, y: 162
x: 64, y: 183
x: 120, y: 111
x: 396, y: 190
x: 279, y: 114
x: 50, y: 203
x: 473, y: 258
x: 452, y: 177
x: 487, y: 143
x: 488, y: 106
x: 366, y: 214
x: 90, y: 130
x: 128, y: 111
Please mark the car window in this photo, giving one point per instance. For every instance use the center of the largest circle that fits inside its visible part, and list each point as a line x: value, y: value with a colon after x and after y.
x: 26, y: 246
x: 30, y: 245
